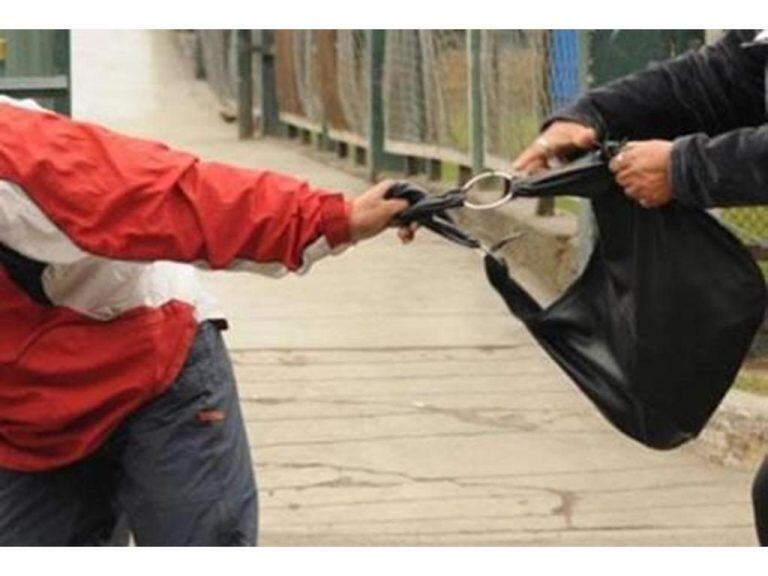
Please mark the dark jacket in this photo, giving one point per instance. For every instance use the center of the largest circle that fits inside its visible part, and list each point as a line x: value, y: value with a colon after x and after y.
x: 712, y: 103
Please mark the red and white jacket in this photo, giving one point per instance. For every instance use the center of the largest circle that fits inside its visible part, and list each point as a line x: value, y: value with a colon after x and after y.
x: 97, y: 308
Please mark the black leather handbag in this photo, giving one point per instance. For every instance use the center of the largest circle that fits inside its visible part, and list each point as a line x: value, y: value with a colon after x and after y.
x: 656, y: 327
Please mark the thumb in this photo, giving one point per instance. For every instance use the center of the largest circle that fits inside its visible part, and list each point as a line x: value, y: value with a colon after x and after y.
x: 396, y: 205
x: 380, y: 190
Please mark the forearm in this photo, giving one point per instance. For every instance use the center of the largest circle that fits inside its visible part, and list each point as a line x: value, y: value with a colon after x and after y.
x: 713, y: 90
x: 241, y: 216
x: 728, y: 170
x: 131, y: 199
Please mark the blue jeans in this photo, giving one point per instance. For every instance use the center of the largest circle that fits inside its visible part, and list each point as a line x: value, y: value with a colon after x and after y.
x: 177, y: 472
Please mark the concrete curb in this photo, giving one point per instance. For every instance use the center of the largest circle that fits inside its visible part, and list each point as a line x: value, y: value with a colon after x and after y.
x: 547, y: 247
x: 737, y: 434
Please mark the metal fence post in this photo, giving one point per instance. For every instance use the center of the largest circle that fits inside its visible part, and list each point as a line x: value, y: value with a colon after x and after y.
x: 62, y: 61
x: 244, y: 84
x: 587, y: 228
x: 270, y: 122
x: 563, y: 72
x: 474, y: 83
x: 3, y: 55
x: 376, y: 43
x: 36, y: 64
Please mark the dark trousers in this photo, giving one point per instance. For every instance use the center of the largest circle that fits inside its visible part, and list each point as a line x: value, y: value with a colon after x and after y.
x: 177, y: 472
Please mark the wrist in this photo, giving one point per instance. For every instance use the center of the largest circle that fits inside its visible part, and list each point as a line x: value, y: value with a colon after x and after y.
x: 580, y: 113
x: 349, y: 211
x: 336, y: 220
x: 676, y: 172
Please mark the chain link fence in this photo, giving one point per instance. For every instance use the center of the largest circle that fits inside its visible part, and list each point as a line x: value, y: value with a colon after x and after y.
x: 307, y: 74
x: 220, y: 65
x: 322, y: 81
x: 751, y: 226
x: 426, y: 94
x: 214, y: 57
x: 352, y: 86
x: 514, y: 89
x: 323, y: 85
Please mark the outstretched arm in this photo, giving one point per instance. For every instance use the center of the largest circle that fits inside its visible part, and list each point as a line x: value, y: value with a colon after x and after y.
x: 711, y: 102
x: 130, y: 199
x: 716, y: 89
x: 713, y: 90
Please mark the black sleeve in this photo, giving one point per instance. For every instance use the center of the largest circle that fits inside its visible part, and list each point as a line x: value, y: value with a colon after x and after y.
x: 713, y: 90
x: 728, y: 170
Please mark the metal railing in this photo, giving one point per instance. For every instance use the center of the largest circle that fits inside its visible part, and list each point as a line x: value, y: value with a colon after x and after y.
x: 421, y: 101
x: 35, y: 64
x: 442, y: 103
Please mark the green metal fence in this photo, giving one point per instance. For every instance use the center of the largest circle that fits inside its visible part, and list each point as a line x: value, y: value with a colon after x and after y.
x: 35, y: 64
x: 514, y: 89
x: 443, y: 103
x: 214, y: 57
x: 426, y: 95
x: 437, y: 90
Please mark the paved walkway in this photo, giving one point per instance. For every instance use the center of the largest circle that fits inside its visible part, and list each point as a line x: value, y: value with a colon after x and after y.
x: 390, y: 398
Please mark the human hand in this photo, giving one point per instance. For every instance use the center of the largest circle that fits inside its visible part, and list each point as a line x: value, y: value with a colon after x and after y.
x: 558, y: 141
x: 642, y: 169
x: 372, y: 213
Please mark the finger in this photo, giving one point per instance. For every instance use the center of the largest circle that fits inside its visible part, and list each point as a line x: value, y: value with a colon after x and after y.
x: 531, y: 156
x: 396, y: 205
x: 537, y: 167
x: 405, y: 234
x: 586, y: 139
x: 624, y: 178
x: 628, y: 153
x: 411, y: 227
x: 624, y: 160
x: 617, y: 163
x: 381, y: 188
x: 653, y: 201
x: 392, y: 206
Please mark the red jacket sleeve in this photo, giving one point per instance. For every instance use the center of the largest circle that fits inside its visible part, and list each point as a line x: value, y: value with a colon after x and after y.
x: 132, y: 199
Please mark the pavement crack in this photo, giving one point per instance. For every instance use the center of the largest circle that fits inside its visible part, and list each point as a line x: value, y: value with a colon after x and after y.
x: 344, y: 482
x: 236, y: 351
x: 434, y: 376
x: 568, y: 500
x: 390, y: 437
x: 524, y: 421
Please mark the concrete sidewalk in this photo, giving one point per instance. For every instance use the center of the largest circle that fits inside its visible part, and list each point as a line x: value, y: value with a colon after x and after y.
x: 390, y: 397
